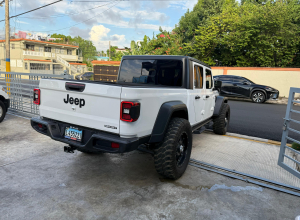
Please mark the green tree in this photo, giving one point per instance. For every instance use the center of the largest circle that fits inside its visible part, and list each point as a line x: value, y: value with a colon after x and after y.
x: 249, y: 35
x: 115, y: 55
x: 199, y: 16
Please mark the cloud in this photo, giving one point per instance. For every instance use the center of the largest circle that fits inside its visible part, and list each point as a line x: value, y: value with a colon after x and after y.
x: 99, y: 36
x: 98, y: 32
x: 21, y: 22
x: 120, y: 14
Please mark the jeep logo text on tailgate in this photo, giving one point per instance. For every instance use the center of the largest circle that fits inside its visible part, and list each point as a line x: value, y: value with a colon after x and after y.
x: 75, y: 101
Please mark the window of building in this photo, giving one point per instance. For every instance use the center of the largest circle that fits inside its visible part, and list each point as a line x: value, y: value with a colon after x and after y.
x: 62, y: 51
x: 12, y: 46
x: 29, y: 47
x: 41, y: 49
x: 198, y: 77
x: 69, y: 52
x: 47, y: 49
x: 57, y: 50
x: 26, y: 66
x: 208, y: 79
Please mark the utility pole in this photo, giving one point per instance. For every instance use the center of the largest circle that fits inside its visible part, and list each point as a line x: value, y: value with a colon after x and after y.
x: 7, y: 37
x: 109, y: 51
x: 7, y: 46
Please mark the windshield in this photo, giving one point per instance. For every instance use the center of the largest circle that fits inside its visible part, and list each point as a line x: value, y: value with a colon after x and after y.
x: 155, y: 72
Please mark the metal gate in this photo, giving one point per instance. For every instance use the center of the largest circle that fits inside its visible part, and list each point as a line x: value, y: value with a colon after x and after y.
x: 19, y: 87
x: 289, y: 156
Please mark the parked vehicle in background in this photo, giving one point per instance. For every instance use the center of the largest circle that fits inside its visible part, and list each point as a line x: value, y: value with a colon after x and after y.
x: 241, y: 87
x: 87, y: 76
x: 157, y: 101
x: 4, y: 103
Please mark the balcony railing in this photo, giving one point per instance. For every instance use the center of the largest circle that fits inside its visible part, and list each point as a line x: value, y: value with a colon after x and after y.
x: 51, y: 55
x: 33, y: 53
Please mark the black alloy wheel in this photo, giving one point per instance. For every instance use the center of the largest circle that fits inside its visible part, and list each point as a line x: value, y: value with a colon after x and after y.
x: 258, y: 97
x: 181, y: 149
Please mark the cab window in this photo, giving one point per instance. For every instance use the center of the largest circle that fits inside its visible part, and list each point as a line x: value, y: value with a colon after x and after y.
x: 208, y: 79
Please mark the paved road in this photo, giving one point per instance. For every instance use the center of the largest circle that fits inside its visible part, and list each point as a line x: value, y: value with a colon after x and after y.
x: 260, y: 120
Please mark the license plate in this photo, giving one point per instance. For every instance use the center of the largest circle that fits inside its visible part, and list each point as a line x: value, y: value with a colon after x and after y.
x: 73, y: 133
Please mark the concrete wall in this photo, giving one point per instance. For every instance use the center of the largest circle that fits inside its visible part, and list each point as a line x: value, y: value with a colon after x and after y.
x: 278, y: 78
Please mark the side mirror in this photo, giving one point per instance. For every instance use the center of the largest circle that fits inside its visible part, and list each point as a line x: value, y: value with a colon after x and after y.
x: 246, y: 83
x: 218, y: 85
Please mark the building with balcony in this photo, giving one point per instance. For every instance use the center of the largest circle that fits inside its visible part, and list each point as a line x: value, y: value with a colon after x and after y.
x: 33, y: 56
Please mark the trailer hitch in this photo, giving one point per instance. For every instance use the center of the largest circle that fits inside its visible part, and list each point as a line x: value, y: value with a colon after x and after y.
x: 69, y: 149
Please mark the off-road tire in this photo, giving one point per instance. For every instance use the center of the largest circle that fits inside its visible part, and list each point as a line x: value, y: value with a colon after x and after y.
x: 260, y: 97
x: 221, y: 122
x: 2, y: 111
x: 166, y: 153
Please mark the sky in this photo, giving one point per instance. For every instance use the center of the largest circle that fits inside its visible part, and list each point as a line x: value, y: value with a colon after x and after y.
x: 99, y: 21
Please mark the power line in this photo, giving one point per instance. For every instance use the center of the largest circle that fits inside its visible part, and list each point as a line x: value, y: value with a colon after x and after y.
x: 66, y: 14
x: 128, y: 1
x: 33, y: 10
x: 79, y: 22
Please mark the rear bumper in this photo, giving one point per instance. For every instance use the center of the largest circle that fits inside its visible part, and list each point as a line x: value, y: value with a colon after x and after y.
x: 92, y: 140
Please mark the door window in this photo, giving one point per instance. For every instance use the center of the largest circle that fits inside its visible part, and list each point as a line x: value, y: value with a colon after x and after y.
x: 198, y: 77
x: 208, y: 79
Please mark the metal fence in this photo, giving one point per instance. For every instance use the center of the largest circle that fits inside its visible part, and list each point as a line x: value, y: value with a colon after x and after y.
x: 19, y: 87
x: 289, y: 158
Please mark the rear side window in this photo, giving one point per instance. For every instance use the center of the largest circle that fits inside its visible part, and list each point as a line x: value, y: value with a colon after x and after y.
x: 155, y: 72
x: 209, y: 81
x: 198, y: 77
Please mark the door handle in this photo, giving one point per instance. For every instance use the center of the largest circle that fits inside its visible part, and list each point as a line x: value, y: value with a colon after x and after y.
x: 197, y: 97
x: 207, y: 96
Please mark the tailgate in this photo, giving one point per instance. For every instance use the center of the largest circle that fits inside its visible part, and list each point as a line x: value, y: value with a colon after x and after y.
x: 97, y: 106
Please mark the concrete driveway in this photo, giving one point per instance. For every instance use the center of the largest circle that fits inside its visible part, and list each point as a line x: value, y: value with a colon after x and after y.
x: 39, y: 181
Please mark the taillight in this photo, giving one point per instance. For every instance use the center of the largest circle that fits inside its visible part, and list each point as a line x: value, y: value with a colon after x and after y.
x: 115, y: 145
x: 130, y: 111
x: 37, y: 96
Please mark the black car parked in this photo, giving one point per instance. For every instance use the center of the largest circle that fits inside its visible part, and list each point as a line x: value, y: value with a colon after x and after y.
x: 236, y: 86
x: 87, y: 76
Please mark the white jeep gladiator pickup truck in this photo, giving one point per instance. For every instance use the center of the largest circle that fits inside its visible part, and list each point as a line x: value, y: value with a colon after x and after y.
x: 157, y: 101
x: 4, y: 103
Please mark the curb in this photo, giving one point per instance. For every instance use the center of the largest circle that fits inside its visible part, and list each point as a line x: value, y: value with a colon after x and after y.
x: 250, y: 138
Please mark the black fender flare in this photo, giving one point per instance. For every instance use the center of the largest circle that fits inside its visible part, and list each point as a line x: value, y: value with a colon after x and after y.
x: 258, y: 89
x: 166, y: 111
x: 220, y: 100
